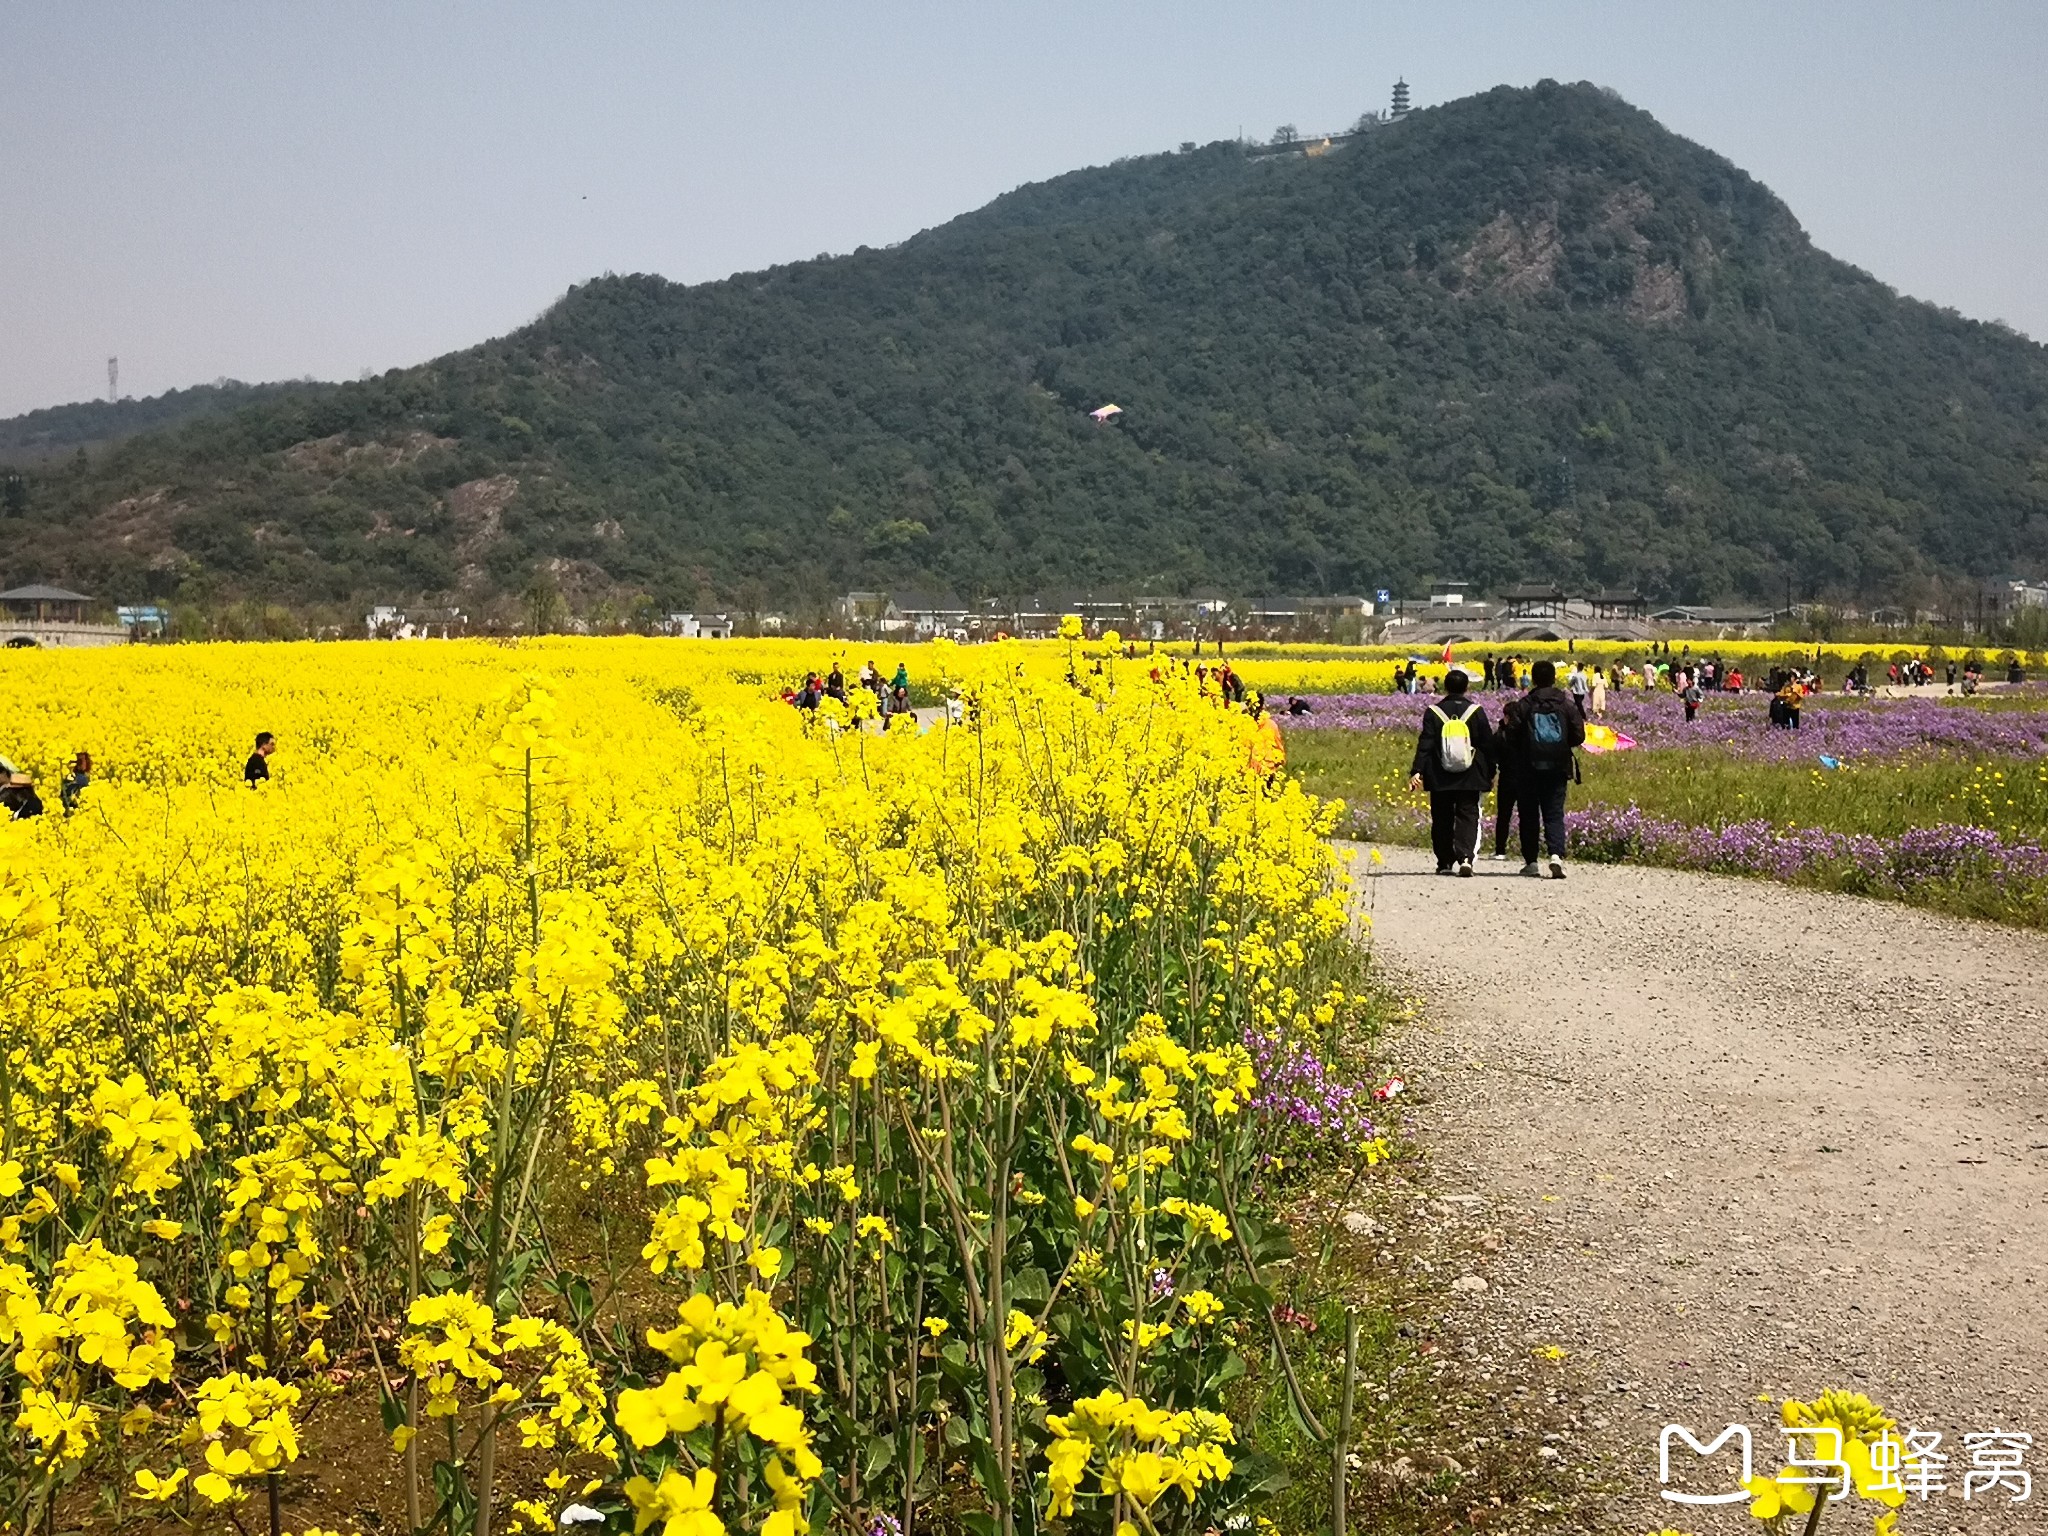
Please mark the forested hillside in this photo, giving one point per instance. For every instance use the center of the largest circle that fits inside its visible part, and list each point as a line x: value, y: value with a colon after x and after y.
x: 1526, y: 335
x: 60, y: 429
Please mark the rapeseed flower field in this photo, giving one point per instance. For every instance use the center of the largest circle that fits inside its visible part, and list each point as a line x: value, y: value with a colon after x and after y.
x: 653, y: 1107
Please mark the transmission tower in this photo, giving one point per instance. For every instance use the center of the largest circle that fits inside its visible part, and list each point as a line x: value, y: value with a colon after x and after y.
x: 113, y: 379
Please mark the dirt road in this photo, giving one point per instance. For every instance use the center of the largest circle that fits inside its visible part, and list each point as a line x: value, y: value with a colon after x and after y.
x: 1739, y: 1139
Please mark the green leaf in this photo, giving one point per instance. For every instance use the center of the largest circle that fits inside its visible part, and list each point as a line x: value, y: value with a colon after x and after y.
x: 1232, y: 1367
x: 1274, y: 1243
x: 1030, y: 1285
x: 1276, y: 1481
x: 987, y: 1471
x: 881, y: 1453
x: 582, y: 1302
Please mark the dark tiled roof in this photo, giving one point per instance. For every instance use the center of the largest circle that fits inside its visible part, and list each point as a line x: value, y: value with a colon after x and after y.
x: 38, y: 593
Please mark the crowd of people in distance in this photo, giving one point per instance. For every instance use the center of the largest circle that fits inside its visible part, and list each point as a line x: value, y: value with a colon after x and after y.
x: 1218, y: 681
x: 891, y: 698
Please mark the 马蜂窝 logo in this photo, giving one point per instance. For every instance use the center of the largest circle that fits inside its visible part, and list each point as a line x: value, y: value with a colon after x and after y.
x: 1736, y: 1432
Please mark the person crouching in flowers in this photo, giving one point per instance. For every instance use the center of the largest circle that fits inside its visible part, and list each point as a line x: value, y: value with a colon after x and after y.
x: 76, y: 782
x: 18, y: 795
x: 1269, y: 748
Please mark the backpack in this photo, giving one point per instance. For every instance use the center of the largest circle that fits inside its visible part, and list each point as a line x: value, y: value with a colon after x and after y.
x: 1549, y: 741
x: 1454, y: 740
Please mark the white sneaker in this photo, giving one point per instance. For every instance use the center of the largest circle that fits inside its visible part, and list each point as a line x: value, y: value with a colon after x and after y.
x: 1465, y: 869
x: 1498, y: 858
x: 1556, y: 867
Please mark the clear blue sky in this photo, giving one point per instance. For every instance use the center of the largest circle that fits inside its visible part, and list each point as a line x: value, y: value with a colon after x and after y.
x: 265, y: 190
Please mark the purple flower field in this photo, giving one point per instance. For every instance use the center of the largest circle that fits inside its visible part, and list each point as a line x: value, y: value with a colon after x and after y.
x: 1931, y: 799
x: 1738, y: 727
x: 1947, y: 854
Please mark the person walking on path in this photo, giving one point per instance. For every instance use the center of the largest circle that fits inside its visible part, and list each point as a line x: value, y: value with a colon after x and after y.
x: 1507, y: 790
x: 1544, y: 726
x: 1454, y: 761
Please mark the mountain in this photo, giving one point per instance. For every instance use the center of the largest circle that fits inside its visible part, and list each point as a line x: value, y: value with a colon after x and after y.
x: 60, y: 429
x: 1526, y: 335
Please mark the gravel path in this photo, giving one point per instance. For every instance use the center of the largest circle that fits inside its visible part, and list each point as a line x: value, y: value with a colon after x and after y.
x: 1738, y: 1139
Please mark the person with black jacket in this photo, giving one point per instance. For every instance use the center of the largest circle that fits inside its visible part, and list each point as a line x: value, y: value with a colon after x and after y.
x: 1454, y: 760
x: 257, y: 769
x: 1507, y: 790
x: 1543, y: 727
x: 18, y: 799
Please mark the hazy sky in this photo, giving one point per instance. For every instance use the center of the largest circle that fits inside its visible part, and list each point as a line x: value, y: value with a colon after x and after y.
x: 266, y: 190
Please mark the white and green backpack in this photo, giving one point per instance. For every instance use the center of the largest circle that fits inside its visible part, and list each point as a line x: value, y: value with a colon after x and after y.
x: 1454, y: 740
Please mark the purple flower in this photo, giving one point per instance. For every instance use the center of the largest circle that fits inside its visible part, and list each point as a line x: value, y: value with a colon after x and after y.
x: 1297, y: 1088
x: 1738, y: 726
x: 1919, y: 856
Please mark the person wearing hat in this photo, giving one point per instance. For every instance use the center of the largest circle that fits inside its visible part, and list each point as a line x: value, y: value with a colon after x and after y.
x: 18, y: 793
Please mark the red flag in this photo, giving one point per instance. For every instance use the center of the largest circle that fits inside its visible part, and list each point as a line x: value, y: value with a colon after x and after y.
x: 1447, y: 653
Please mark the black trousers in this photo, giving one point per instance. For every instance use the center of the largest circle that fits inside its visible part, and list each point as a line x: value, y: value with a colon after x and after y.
x: 1505, y: 795
x: 1542, y: 804
x: 1454, y: 826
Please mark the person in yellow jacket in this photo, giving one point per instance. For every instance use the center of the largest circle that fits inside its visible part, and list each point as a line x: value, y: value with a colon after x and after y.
x: 1269, y: 748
